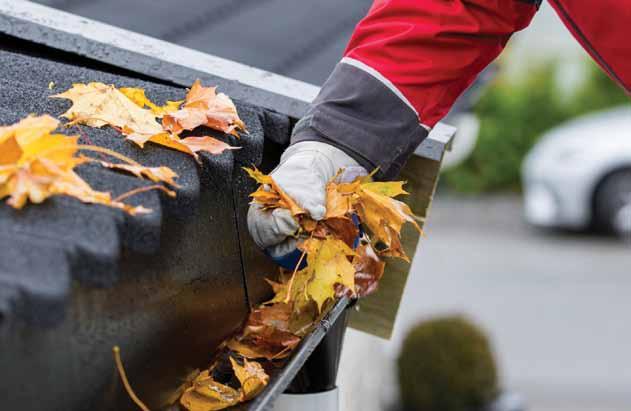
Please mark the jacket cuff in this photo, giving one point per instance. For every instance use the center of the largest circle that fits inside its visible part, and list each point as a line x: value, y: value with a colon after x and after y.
x: 361, y: 115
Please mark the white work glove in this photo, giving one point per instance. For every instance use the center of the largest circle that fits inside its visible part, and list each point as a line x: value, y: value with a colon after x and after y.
x: 304, y: 170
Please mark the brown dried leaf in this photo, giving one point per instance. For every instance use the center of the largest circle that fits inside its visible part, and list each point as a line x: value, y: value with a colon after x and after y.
x: 265, y: 334
x: 368, y: 270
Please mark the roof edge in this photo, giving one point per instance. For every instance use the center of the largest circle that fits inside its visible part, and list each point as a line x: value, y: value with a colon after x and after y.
x: 153, y: 57
x: 162, y: 60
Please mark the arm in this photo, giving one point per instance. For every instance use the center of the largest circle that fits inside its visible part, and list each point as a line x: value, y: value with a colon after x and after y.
x: 405, y: 65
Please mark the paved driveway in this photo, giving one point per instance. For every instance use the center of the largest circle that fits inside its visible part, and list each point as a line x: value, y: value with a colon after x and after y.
x: 557, y: 307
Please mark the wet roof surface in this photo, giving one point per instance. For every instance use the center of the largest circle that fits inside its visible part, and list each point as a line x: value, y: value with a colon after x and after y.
x: 297, y: 38
x: 83, y: 241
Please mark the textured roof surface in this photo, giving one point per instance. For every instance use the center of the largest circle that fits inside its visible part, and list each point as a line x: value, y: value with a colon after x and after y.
x: 91, y: 237
x: 297, y: 38
x: 76, y: 279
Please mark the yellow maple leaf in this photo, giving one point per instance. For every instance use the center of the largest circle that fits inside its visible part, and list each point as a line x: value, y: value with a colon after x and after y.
x: 257, y: 175
x: 384, y: 216
x: 35, y: 165
x: 338, y: 203
x: 138, y: 96
x: 97, y: 104
x: 269, y: 195
x: 328, y: 263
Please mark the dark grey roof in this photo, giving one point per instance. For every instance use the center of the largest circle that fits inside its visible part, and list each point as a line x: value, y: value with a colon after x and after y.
x: 91, y: 237
x: 297, y: 38
x: 76, y: 279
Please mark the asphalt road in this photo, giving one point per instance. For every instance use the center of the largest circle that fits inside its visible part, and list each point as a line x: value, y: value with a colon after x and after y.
x: 556, y: 306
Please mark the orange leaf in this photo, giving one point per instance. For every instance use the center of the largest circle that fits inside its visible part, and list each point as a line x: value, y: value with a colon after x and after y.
x: 205, y: 107
x: 252, y: 377
x: 155, y: 174
x: 206, y: 394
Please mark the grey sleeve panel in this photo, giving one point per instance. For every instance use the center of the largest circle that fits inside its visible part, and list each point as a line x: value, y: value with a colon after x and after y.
x: 360, y: 115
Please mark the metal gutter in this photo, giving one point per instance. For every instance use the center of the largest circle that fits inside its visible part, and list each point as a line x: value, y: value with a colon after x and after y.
x: 167, y: 61
x: 279, y: 382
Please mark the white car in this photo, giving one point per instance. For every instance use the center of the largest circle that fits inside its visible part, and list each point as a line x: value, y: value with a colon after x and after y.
x: 578, y: 175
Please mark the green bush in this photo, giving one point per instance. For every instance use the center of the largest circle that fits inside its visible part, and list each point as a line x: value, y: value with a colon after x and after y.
x: 446, y: 364
x: 513, y: 115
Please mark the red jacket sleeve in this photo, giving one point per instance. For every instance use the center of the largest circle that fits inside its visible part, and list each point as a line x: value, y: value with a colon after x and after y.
x: 432, y: 50
x: 405, y: 65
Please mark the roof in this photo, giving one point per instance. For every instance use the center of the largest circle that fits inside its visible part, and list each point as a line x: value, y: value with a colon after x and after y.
x: 92, y: 236
x: 298, y: 39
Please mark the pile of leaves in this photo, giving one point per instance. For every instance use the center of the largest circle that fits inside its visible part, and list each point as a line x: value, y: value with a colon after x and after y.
x: 36, y: 164
x: 343, y: 258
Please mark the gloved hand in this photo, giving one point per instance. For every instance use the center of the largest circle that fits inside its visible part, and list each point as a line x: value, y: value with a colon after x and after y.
x: 304, y: 170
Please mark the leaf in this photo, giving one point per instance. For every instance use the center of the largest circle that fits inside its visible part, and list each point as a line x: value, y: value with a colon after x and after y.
x: 204, y: 107
x: 388, y: 189
x: 265, y: 334
x: 327, y: 260
x: 342, y: 228
x: 384, y: 216
x: 138, y: 96
x: 208, y: 144
x: 252, y: 377
x: 189, y: 145
x: 206, y: 394
x: 36, y: 165
x: 368, y: 270
x: 270, y: 195
x: 10, y: 151
x: 98, y: 104
x: 338, y: 204
x: 257, y: 175
x: 155, y: 174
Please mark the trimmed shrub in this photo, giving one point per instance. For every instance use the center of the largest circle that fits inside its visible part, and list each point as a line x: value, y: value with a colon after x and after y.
x: 447, y: 364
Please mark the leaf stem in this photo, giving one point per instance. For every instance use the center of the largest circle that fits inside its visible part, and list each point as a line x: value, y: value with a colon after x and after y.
x: 293, y: 275
x: 139, y: 190
x: 123, y: 375
x: 109, y: 152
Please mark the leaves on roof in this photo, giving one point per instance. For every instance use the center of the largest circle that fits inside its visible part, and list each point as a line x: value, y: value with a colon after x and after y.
x: 97, y: 104
x: 35, y: 165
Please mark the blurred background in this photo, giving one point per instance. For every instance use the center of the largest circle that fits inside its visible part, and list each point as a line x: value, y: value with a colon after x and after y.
x: 529, y: 236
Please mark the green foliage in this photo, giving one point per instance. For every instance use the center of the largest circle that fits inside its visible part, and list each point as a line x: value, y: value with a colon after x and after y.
x: 446, y: 364
x: 514, y: 115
